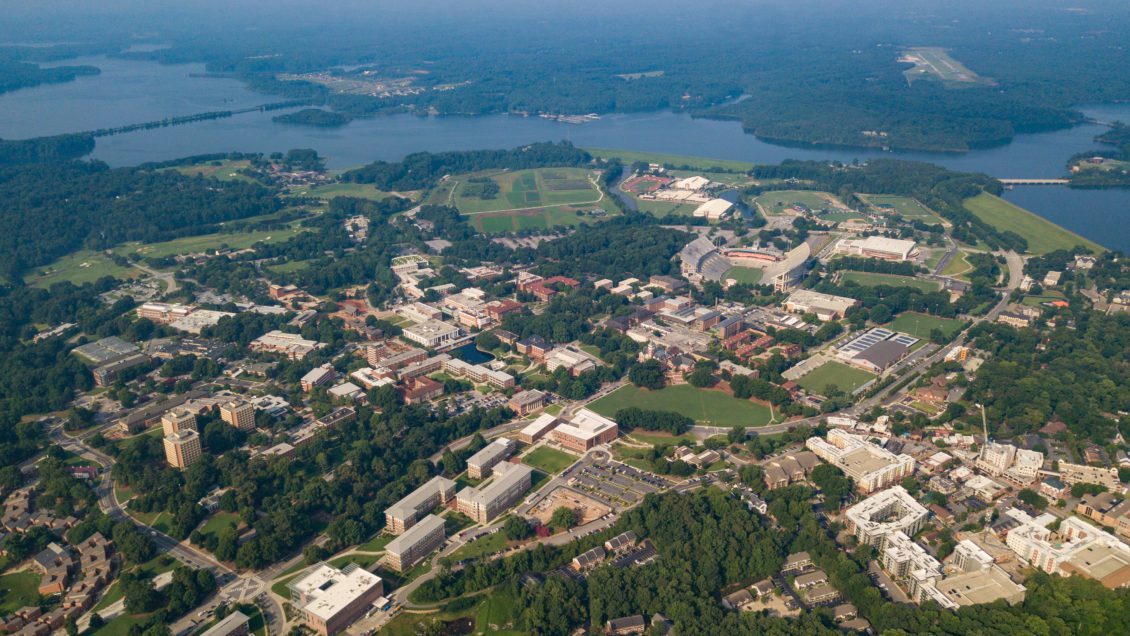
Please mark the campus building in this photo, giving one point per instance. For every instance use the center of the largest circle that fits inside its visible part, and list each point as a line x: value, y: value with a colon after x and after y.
x: 480, y: 464
x: 510, y: 482
x: 182, y: 449
x: 433, y: 333
x: 538, y: 428
x: 881, y: 247
x: 178, y: 420
x: 824, y: 306
x: 239, y: 414
x: 404, y: 513
x: 415, y: 544
x: 291, y: 345
x: 331, y: 599
x: 870, y: 466
x: 1072, y: 474
x: 586, y: 430
x: 526, y: 402
x: 893, y: 510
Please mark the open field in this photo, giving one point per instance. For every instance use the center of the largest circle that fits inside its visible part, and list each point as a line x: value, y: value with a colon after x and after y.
x: 750, y: 275
x: 331, y: 190
x: 777, y: 202
x: 935, y: 63
x: 958, y: 266
x: 920, y: 325
x: 704, y: 406
x: 844, y: 378
x: 489, y: 544
x: 666, y: 208
x: 1042, y: 235
x: 873, y: 279
x: 906, y: 206
x: 204, y: 242
x: 523, y: 189
x: 540, y: 218
x: 224, y: 170
x: 700, y: 163
x: 84, y: 266
x: 17, y: 590
x: 549, y: 460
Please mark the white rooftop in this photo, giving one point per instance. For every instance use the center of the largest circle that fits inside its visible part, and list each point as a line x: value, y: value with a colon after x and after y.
x: 332, y: 590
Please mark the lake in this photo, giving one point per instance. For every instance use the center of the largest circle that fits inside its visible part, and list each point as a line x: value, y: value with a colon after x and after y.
x: 129, y: 92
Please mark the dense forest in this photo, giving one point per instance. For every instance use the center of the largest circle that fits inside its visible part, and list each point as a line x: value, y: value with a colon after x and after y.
x: 54, y: 209
x: 424, y: 169
x: 313, y: 117
x: 15, y: 74
x: 45, y: 149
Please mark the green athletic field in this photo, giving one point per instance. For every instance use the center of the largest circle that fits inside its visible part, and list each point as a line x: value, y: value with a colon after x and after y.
x: 704, y: 406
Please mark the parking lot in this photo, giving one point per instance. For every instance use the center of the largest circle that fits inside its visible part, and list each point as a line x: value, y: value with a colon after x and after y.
x: 616, y: 484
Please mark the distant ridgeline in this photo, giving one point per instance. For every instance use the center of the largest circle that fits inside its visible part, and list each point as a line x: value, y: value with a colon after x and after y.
x: 424, y: 169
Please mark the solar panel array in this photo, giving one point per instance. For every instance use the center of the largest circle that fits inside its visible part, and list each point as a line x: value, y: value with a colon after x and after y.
x: 874, y: 337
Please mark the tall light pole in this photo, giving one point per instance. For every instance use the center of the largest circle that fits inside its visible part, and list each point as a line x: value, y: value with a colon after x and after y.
x: 985, y: 427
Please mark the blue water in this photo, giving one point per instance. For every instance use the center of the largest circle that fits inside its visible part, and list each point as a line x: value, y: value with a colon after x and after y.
x: 470, y: 354
x: 130, y: 92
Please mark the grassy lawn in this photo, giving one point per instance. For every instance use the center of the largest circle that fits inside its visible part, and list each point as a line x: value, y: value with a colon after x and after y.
x: 906, y: 206
x: 121, y: 625
x: 205, y: 242
x: 957, y: 266
x: 84, y: 266
x: 920, y: 325
x: 219, y: 521
x: 1042, y: 235
x: 224, y: 170
x: 331, y: 190
x: 845, y: 378
x: 541, y: 218
x: 666, y: 208
x: 872, y: 279
x: 705, y: 406
x: 495, y: 613
x: 377, y: 543
x: 363, y: 560
x: 778, y: 202
x: 700, y: 163
x: 749, y: 275
x: 480, y: 547
x: 662, y: 439
x: 157, y: 565
x: 549, y: 459
x: 19, y: 589
x: 522, y: 189
x: 1046, y: 297
x: 554, y: 409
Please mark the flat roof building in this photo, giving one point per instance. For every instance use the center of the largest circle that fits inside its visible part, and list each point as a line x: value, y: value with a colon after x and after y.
x: 403, y: 514
x: 178, y: 420
x: 874, y: 519
x: 416, y: 543
x: 824, y: 306
x: 239, y: 414
x: 432, y: 333
x: 586, y: 430
x: 538, y: 428
x: 291, y: 345
x: 182, y: 449
x: 331, y: 599
x: 881, y: 247
x: 526, y: 402
x: 872, y: 467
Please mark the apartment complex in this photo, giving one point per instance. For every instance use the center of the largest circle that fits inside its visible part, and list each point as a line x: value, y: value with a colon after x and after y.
x: 1072, y: 474
x: 416, y: 543
x: 871, y: 466
x: 480, y: 464
x: 403, y: 514
x: 893, y: 510
x: 1077, y: 547
x: 510, y: 482
x: 238, y: 414
x: 1014, y: 464
x: 331, y: 599
x: 182, y: 449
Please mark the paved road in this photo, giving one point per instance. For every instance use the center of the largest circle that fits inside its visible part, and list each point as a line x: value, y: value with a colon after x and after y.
x: 233, y: 587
